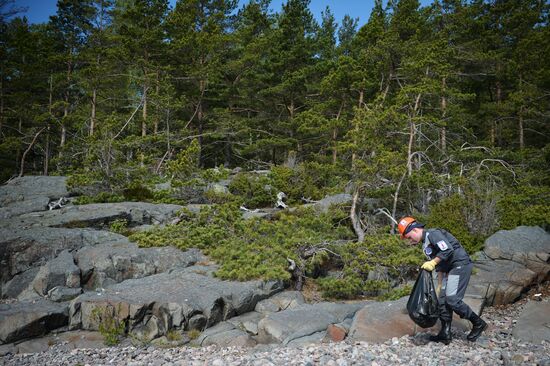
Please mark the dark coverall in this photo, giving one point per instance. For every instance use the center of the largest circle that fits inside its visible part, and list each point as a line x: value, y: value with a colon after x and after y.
x: 456, y: 268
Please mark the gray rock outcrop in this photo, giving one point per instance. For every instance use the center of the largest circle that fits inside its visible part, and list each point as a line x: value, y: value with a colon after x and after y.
x: 97, y: 215
x: 60, y: 271
x: 281, y: 301
x: 106, y: 264
x: 304, y: 321
x: 337, y: 199
x: 511, y: 261
x: 225, y: 334
x: 23, y: 252
x: 29, y: 194
x: 378, y: 322
x: 171, y: 299
x: 30, y: 319
x: 533, y: 324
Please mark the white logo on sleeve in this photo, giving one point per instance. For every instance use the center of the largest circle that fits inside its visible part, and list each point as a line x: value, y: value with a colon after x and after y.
x: 442, y: 245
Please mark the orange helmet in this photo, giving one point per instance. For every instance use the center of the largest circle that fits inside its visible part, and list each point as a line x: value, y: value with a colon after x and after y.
x: 405, y: 223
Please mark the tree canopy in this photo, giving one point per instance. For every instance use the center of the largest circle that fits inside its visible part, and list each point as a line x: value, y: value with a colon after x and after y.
x: 421, y: 107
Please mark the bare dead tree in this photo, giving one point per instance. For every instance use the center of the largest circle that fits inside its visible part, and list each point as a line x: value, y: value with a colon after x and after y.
x: 354, y: 215
x: 29, y: 149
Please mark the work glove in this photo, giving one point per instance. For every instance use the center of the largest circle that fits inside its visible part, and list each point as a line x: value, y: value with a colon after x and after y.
x: 429, y: 265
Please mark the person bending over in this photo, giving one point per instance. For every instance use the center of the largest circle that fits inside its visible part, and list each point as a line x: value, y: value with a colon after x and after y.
x: 454, y: 268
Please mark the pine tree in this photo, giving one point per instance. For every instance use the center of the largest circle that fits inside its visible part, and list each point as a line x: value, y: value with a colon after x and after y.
x: 198, y: 30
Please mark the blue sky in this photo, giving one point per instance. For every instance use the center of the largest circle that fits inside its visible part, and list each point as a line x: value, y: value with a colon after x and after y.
x: 40, y: 10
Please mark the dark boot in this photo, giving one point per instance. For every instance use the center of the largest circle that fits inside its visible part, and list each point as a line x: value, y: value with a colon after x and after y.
x: 444, y: 335
x: 478, y: 326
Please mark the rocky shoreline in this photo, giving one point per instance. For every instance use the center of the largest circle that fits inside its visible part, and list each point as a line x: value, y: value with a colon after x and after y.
x: 498, y: 346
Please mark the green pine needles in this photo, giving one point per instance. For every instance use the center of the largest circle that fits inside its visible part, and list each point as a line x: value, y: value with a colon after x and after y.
x: 259, y: 248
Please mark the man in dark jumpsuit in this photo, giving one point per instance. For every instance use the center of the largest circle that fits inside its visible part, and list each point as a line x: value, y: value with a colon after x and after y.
x: 454, y: 268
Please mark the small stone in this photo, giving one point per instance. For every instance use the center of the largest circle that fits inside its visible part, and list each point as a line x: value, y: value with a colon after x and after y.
x: 341, y: 362
x: 336, y: 333
x: 517, y: 358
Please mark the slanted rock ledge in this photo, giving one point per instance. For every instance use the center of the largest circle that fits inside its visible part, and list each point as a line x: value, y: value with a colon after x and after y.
x: 179, y: 299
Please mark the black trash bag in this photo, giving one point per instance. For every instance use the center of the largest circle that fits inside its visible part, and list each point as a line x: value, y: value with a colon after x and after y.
x: 423, y: 306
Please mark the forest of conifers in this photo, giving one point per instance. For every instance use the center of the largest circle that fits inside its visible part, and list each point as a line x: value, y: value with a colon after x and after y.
x: 445, y: 105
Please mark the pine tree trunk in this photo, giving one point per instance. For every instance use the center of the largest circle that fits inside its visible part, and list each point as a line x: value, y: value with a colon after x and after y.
x: 63, y: 127
x: 355, y: 217
x: 412, y: 132
x: 227, y: 162
x: 493, y: 133
x: 47, y: 151
x: 200, y: 117
x: 443, y: 137
x: 520, y: 117
x: 144, y: 115
x: 65, y: 109
x: 18, y: 151
x: 356, y: 129
x: 412, y: 128
x: 335, y: 134
x: 92, y: 117
x: 157, y: 116
x: 1, y: 105
x: 520, y: 121
x: 50, y: 111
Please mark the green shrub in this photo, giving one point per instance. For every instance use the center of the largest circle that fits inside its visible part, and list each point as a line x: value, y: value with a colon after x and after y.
x: 526, y: 205
x: 254, y: 189
x: 173, y: 336
x: 186, y: 162
x: 360, y: 258
x: 215, y: 174
x: 395, y: 293
x: 165, y: 196
x: 249, y: 249
x: 81, y: 178
x: 215, y: 197
x: 103, y: 197
x: 341, y: 288
x: 309, y: 180
x: 450, y: 214
x: 193, y: 334
x: 119, y: 226
x: 111, y: 328
x: 137, y: 192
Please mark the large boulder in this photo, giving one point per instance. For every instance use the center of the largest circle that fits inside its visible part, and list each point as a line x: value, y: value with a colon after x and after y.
x: 21, y: 249
x: 303, y: 321
x: 24, y: 251
x: 21, y: 286
x: 106, y: 264
x: 60, y: 271
x: 29, y: 194
x: 527, y: 245
x: 247, y: 321
x: 30, y: 319
x: 98, y: 215
x: 337, y: 199
x: 379, y: 322
x: 172, y: 299
x: 281, y: 301
x: 511, y: 261
x: 533, y: 325
x: 225, y: 334
x: 500, y: 281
